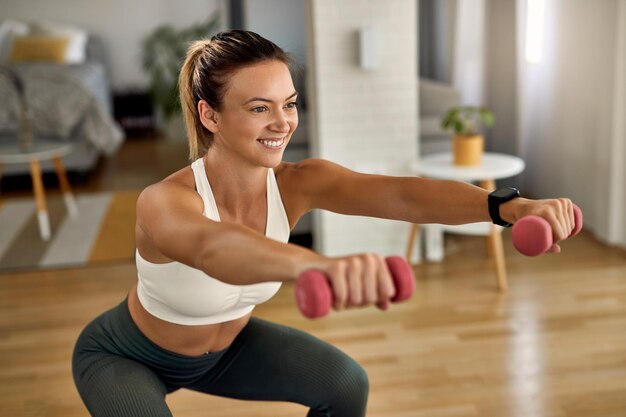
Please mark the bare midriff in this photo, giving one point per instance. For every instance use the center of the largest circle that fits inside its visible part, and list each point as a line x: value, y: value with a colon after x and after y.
x: 182, y: 339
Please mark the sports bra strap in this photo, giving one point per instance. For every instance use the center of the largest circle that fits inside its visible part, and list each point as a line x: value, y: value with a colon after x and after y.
x: 204, y: 189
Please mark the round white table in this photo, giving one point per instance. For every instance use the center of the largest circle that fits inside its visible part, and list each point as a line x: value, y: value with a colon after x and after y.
x: 11, y: 153
x: 493, y: 166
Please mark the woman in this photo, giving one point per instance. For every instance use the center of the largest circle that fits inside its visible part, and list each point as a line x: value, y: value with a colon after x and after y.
x: 211, y: 244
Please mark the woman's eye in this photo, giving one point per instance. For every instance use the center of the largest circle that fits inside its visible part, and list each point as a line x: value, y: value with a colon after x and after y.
x: 260, y: 109
x: 292, y: 105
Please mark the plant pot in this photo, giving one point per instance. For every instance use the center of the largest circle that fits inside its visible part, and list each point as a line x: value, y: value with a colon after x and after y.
x: 468, y: 150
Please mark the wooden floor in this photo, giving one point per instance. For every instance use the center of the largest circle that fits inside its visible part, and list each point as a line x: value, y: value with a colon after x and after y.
x: 553, y: 346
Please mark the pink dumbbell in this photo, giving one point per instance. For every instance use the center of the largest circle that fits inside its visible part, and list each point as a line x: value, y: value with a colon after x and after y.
x: 314, y: 294
x: 532, y: 235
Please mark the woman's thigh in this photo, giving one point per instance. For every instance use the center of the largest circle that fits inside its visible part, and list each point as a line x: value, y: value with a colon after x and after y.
x: 113, y: 386
x: 272, y: 362
x: 109, y: 382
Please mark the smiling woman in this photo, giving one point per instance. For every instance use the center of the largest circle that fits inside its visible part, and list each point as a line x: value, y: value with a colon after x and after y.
x: 209, y: 72
x: 181, y: 326
x: 212, y: 244
x: 260, y: 108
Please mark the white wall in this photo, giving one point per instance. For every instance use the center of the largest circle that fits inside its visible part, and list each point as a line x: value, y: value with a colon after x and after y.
x: 121, y: 24
x: 571, y: 119
x: 365, y: 120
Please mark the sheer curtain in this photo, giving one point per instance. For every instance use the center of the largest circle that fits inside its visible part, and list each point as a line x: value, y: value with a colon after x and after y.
x: 561, y: 107
x: 572, y: 108
x: 468, y: 74
x: 617, y: 202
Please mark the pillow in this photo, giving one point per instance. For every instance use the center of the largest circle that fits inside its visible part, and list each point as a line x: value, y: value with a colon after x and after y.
x: 39, y: 48
x: 76, y: 47
x: 9, y: 29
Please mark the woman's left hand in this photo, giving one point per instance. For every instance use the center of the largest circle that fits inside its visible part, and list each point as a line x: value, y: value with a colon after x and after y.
x: 558, y: 212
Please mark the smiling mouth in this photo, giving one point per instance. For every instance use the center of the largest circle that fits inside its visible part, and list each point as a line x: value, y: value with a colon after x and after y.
x: 272, y: 143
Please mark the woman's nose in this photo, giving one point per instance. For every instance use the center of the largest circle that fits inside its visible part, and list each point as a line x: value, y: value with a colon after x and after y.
x: 281, y: 123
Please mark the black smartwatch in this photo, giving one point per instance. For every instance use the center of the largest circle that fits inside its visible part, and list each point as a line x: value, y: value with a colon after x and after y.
x: 498, y: 197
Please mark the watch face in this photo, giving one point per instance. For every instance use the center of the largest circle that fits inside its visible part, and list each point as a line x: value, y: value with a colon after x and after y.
x: 505, y: 192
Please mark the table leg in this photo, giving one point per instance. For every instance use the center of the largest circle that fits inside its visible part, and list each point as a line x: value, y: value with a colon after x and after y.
x: 40, y: 199
x: 497, y: 251
x: 488, y: 185
x: 494, y: 245
x: 414, y: 238
x: 433, y: 242
x: 0, y: 184
x: 68, y: 196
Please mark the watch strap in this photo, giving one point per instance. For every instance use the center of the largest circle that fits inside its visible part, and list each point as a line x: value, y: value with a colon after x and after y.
x: 494, y: 204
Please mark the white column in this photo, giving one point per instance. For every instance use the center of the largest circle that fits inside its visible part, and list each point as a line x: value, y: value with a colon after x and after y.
x: 364, y: 119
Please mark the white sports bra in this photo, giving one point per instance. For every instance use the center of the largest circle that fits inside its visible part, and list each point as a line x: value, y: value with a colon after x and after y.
x: 180, y: 294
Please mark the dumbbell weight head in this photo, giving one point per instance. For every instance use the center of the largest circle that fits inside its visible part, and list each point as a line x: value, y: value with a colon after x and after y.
x: 532, y: 235
x: 313, y: 294
x: 403, y: 278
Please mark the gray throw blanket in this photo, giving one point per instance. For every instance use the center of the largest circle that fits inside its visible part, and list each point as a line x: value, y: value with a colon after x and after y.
x: 61, y: 107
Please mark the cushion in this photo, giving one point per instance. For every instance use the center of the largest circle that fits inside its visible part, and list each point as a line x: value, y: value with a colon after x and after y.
x: 39, y: 48
x: 77, y: 43
x: 9, y: 29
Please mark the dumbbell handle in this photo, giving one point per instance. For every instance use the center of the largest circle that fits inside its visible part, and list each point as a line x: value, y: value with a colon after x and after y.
x: 314, y: 294
x: 532, y: 235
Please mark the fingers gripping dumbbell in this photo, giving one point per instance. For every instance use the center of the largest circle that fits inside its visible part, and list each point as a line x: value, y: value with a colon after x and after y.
x: 314, y: 294
x: 532, y: 235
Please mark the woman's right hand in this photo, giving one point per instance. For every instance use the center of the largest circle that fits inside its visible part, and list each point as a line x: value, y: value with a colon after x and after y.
x: 359, y: 280
x: 557, y: 212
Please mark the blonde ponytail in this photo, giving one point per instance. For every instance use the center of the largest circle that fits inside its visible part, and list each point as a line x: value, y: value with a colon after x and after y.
x: 198, y: 136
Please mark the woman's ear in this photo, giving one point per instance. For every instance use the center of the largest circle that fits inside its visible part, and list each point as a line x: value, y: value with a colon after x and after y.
x: 208, y: 116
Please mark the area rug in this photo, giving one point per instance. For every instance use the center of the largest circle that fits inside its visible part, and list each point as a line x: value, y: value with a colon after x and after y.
x: 103, y: 231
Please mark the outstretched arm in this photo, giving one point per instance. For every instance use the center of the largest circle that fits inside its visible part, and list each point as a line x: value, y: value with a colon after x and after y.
x: 170, y: 215
x: 419, y: 200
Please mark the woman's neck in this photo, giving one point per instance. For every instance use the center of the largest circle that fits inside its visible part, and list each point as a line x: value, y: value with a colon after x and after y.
x: 237, y: 188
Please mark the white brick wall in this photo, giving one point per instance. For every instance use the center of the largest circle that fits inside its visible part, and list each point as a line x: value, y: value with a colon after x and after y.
x: 365, y: 120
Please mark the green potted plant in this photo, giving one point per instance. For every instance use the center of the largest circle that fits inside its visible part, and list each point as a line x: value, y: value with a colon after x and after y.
x: 467, y: 123
x: 163, y: 53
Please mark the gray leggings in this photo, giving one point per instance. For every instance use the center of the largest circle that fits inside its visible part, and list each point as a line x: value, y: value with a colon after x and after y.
x: 120, y: 372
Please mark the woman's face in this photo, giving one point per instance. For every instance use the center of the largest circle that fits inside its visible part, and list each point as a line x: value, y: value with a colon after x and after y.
x: 258, y: 114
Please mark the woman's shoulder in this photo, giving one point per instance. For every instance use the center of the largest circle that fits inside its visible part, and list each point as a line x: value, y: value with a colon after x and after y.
x: 177, y: 187
x: 291, y: 175
x: 183, y: 177
x: 301, y: 170
x: 311, y: 172
x: 302, y: 183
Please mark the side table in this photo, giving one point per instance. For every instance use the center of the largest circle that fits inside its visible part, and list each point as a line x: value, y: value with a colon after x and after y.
x: 11, y: 153
x: 493, y: 166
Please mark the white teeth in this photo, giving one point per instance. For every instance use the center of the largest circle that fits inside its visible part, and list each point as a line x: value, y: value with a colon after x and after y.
x: 272, y: 143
